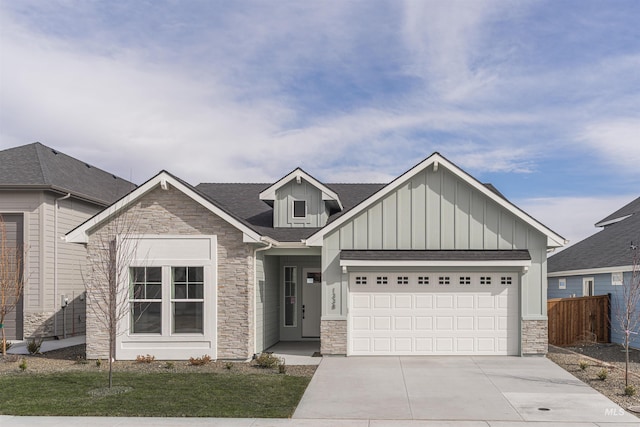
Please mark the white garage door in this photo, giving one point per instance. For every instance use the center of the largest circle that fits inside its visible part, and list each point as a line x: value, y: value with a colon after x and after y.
x: 433, y: 314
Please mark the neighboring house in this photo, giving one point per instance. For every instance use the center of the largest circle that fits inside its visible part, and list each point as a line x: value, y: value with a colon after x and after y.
x: 44, y: 194
x: 434, y: 262
x: 600, y: 264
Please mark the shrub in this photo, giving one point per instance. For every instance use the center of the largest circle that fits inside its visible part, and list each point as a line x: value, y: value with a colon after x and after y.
x: 197, y: 361
x: 583, y: 364
x: 603, y: 374
x: 228, y: 365
x: 23, y: 365
x: 33, y: 345
x: 629, y: 390
x: 8, y: 344
x: 145, y: 359
x: 98, y: 363
x: 267, y: 360
x: 169, y: 365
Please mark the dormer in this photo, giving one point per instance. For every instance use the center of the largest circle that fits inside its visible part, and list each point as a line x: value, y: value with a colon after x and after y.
x: 300, y: 200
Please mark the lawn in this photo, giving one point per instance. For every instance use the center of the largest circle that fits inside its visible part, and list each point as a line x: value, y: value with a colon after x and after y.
x: 152, y: 394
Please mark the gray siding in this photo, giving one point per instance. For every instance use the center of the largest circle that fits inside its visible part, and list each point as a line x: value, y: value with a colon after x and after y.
x: 267, y: 301
x: 317, y: 212
x: 39, y: 301
x: 436, y: 211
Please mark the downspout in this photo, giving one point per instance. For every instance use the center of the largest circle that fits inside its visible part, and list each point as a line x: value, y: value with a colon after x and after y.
x: 55, y: 261
x: 256, y: 290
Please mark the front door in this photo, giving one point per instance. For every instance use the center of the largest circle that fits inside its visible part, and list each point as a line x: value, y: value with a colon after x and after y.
x: 311, y: 297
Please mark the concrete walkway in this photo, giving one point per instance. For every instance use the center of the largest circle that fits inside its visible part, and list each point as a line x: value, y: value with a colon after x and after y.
x: 48, y: 345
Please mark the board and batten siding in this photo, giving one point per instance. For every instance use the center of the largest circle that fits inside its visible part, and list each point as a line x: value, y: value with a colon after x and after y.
x: 267, y: 301
x: 317, y: 213
x: 435, y: 211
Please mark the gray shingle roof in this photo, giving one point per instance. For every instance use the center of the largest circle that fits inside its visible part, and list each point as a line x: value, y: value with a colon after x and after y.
x: 242, y: 201
x: 36, y: 166
x: 610, y: 247
x: 629, y: 209
x: 435, y: 255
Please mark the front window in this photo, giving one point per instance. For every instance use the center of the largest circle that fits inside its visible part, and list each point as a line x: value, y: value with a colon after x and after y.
x: 146, y: 300
x: 187, y: 299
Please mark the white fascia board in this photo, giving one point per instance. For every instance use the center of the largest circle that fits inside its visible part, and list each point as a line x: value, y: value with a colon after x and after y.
x: 410, y: 263
x: 553, y: 239
x: 327, y: 194
x: 81, y: 233
x: 612, y: 221
x: 590, y: 271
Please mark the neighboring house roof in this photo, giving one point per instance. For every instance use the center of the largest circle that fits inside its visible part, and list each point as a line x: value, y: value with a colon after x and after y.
x: 38, y: 167
x: 609, y: 249
x: 163, y: 180
x: 436, y: 160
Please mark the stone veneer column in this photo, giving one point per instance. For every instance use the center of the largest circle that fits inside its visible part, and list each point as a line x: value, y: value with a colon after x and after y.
x: 535, y: 337
x: 333, y: 337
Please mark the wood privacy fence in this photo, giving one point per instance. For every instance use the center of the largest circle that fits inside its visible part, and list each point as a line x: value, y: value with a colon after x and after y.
x: 575, y: 320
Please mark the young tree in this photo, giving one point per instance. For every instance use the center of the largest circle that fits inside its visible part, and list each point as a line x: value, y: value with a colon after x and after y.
x: 627, y: 306
x: 11, y: 278
x: 111, y: 251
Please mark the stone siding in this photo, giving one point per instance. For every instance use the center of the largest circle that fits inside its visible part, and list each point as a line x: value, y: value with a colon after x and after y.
x: 38, y: 325
x: 535, y: 338
x: 172, y: 212
x: 333, y: 337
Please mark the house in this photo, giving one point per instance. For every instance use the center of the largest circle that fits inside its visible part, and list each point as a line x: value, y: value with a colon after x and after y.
x: 43, y: 194
x: 600, y: 264
x: 433, y: 262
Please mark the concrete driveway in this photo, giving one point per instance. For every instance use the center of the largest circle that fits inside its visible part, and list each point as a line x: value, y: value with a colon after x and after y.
x: 511, y: 390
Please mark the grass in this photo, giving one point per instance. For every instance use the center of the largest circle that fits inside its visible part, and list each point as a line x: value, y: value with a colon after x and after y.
x: 153, y: 394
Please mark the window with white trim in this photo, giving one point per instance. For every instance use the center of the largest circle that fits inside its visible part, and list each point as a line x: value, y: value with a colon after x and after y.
x: 290, y: 281
x: 562, y: 283
x: 145, y: 300
x: 299, y: 208
x: 444, y: 280
x: 361, y: 280
x: 187, y: 300
x: 617, y: 278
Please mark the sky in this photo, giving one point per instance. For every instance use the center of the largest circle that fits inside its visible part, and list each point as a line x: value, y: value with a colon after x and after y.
x: 540, y: 98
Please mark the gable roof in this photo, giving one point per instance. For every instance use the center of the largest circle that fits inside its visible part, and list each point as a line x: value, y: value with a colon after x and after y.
x: 38, y: 167
x: 436, y: 160
x: 242, y: 200
x: 269, y: 194
x: 163, y: 179
x: 608, y: 249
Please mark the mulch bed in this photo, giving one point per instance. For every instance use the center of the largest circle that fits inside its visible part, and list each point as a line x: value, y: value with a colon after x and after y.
x: 73, y: 359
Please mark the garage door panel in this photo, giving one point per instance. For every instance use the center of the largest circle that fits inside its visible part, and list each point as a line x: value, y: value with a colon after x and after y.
x: 407, y: 318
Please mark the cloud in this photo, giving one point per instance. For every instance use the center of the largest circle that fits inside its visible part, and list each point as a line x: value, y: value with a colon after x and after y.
x: 617, y: 141
x: 573, y: 217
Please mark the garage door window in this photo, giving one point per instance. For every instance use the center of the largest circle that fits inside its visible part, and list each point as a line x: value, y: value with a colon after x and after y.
x: 444, y: 280
x: 402, y: 280
x: 506, y: 280
x: 382, y: 280
x: 361, y: 280
x: 485, y: 280
x: 465, y: 280
x: 423, y: 280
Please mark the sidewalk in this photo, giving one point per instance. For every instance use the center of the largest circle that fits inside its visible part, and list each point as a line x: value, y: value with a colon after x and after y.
x: 47, y: 345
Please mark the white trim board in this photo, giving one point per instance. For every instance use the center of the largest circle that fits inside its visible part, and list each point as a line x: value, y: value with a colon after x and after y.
x: 413, y: 263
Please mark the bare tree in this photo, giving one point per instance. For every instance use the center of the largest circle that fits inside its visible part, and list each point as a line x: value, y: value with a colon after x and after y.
x: 11, y: 278
x: 111, y: 251
x: 627, y: 307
